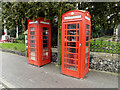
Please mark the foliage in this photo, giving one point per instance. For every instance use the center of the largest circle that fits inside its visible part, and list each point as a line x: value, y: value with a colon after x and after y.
x: 104, y: 15
x: 21, y: 39
x: 0, y: 20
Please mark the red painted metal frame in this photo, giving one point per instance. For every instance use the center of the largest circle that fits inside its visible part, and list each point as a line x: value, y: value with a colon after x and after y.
x: 81, y: 71
x: 39, y: 42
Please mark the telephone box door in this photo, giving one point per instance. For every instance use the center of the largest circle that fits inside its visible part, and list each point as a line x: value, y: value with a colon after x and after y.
x: 71, y: 48
x: 32, y: 43
x: 45, y: 42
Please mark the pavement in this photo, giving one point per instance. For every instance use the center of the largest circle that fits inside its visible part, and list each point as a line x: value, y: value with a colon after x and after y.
x: 17, y: 73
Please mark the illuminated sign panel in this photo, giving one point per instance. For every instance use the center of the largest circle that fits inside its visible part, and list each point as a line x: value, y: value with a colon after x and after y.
x: 33, y: 22
x: 72, y: 17
x: 44, y: 22
x: 87, y: 18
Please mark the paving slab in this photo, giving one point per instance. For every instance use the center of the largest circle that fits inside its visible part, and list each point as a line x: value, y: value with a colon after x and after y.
x: 17, y: 71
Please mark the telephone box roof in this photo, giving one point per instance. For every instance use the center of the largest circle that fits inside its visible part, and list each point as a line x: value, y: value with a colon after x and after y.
x: 77, y: 12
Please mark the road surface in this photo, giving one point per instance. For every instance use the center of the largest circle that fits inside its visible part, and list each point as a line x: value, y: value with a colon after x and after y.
x: 18, y: 73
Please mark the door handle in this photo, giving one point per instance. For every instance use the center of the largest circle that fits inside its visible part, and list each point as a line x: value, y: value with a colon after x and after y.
x: 79, y: 44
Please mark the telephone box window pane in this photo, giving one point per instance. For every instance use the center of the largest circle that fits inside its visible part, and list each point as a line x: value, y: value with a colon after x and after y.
x: 87, y: 38
x: 32, y: 58
x: 32, y: 33
x: 32, y: 45
x: 72, y: 50
x: 65, y: 49
x: 65, y: 43
x: 71, y: 26
x: 70, y: 67
x: 65, y: 60
x: 68, y: 43
x: 43, y: 58
x: 65, y: 26
x: 65, y: 32
x: 87, y: 43
x: 76, y: 62
x: 69, y: 61
x: 87, y: 32
x: 32, y: 28
x: 87, y: 49
x: 45, y: 37
x: 44, y: 29
x: 86, y: 65
x: 87, y: 26
x: 77, y: 38
x: 32, y: 37
x: 86, y: 54
x: 71, y: 38
x: 76, y: 68
x: 86, y: 60
x: 32, y: 53
x: 65, y: 54
x: 77, y: 32
x: 71, y: 32
x: 45, y: 33
x: 32, y: 50
x: 45, y: 45
x: 45, y: 49
x: 78, y: 26
x: 65, y: 38
x: 73, y: 56
x: 46, y: 54
x: 32, y: 41
x: 72, y: 44
x: 45, y: 41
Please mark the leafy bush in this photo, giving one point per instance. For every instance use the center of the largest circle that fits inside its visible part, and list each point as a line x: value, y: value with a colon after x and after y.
x: 21, y: 38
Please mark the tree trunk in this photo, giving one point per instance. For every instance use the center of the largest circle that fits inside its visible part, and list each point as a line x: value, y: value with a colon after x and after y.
x: 5, y: 29
x: 25, y: 23
x: 59, y: 34
x: 17, y: 31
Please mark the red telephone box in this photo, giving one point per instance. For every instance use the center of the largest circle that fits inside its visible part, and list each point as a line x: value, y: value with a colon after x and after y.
x: 76, y: 29
x: 39, y: 42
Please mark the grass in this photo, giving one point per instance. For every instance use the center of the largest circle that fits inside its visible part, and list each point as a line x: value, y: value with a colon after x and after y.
x: 104, y: 37
x: 13, y: 46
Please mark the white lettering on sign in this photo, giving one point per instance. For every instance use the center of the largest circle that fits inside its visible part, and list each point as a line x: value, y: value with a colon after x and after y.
x: 44, y: 22
x: 87, y: 18
x: 72, y: 17
x: 33, y: 22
